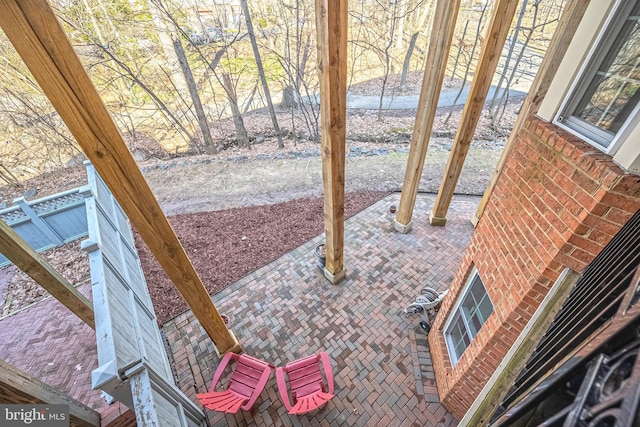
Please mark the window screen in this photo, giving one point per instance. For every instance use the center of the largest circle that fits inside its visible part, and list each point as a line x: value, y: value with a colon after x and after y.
x: 468, y: 316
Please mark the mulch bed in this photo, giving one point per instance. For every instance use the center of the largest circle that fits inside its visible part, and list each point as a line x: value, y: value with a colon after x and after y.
x: 226, y: 245
x: 18, y: 290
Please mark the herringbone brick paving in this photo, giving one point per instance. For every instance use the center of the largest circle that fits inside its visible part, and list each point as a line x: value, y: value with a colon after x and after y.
x: 53, y: 345
x: 287, y: 310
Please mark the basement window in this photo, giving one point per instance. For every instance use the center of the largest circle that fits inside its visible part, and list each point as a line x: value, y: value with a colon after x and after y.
x: 467, y: 317
x: 604, y: 99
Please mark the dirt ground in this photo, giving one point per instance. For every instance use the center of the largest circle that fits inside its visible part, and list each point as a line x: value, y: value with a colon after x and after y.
x: 377, y: 152
x: 226, y: 184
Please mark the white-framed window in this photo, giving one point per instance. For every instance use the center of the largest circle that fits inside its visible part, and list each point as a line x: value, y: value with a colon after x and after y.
x: 470, y: 312
x: 604, y: 99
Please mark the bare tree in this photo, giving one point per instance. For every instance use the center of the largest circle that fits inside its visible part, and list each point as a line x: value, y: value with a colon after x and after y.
x: 34, y: 138
x: 150, y: 102
x: 187, y: 76
x: 421, y: 23
x: 195, y: 96
x: 467, y: 70
x: 238, y: 122
x: 148, y: 90
x: 387, y: 55
x: 524, y: 47
x: 161, y: 19
x: 225, y: 78
x: 292, y: 44
x: 263, y: 78
x: 507, y: 62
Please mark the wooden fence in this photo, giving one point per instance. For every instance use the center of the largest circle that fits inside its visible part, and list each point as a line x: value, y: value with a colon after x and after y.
x: 48, y: 222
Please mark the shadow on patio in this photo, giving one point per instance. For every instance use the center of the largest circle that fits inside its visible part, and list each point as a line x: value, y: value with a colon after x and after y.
x: 380, y: 358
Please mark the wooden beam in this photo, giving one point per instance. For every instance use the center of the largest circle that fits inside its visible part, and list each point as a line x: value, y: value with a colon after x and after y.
x: 331, y: 29
x: 491, y: 50
x: 571, y: 17
x: 504, y: 376
x: 33, y: 29
x: 18, y: 387
x: 444, y: 24
x: 28, y: 260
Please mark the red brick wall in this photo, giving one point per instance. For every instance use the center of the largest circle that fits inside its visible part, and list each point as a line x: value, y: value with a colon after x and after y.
x: 557, y: 203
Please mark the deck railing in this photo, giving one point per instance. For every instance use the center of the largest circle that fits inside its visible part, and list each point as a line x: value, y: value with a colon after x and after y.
x: 48, y: 222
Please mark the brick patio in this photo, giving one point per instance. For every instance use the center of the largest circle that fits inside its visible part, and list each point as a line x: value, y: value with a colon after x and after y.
x: 49, y: 343
x: 287, y: 310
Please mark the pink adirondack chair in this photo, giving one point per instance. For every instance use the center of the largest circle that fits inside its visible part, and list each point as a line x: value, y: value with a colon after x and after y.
x: 306, y: 383
x: 247, y: 381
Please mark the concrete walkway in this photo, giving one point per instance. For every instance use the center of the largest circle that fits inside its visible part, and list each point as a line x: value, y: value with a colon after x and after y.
x: 409, y: 102
x: 286, y: 310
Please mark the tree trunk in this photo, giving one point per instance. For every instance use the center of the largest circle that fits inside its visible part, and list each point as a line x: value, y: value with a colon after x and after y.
x: 263, y: 78
x: 468, y: 67
x: 211, y: 65
x: 120, y: 84
x: 525, y: 44
x: 166, y: 41
x: 249, y: 101
x: 289, y: 98
x: 407, y: 61
x: 387, y: 57
x: 241, y: 131
x: 195, y: 96
x: 419, y: 24
x: 400, y: 26
x: 302, y: 64
x: 507, y: 62
x: 156, y: 99
x: 460, y: 47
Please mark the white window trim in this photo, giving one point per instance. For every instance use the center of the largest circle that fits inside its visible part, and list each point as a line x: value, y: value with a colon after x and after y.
x: 455, y: 311
x: 594, y: 51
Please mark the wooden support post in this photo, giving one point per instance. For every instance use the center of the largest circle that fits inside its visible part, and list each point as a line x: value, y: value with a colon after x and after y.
x: 28, y: 260
x: 571, y: 17
x: 491, y: 50
x: 444, y: 24
x: 34, y: 31
x: 18, y: 387
x: 504, y: 376
x: 331, y: 18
